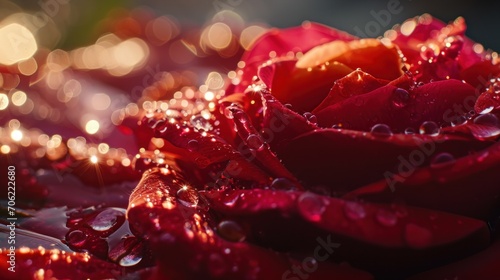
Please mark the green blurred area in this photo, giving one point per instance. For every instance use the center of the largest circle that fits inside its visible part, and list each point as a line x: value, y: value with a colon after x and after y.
x: 88, y: 14
x: 77, y: 22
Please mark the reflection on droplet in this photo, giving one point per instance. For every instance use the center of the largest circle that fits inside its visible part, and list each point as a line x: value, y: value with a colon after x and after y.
x: 76, y: 238
x: 381, y: 130
x: 311, y: 206
x: 255, y: 142
x: 107, y: 219
x: 187, y: 196
x: 401, y: 97
x: 442, y: 160
x: 193, y: 145
x: 429, y: 128
x: 354, y: 210
x: 231, y: 231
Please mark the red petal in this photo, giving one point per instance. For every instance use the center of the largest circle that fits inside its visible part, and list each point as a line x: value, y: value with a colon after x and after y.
x: 281, y: 42
x: 187, y: 247
x: 430, y: 102
x: 356, y: 83
x: 303, y: 88
x: 483, y: 265
x: 336, y: 158
x: 405, y: 236
x: 444, y: 188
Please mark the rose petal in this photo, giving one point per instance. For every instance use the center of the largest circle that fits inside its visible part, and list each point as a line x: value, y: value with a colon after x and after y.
x: 406, y: 236
x: 356, y: 83
x: 187, y: 247
x: 483, y: 265
x: 303, y: 88
x: 450, y: 187
x: 431, y: 102
x: 336, y: 158
x: 281, y: 42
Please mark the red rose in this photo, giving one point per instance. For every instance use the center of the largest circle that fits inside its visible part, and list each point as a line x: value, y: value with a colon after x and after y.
x: 381, y: 153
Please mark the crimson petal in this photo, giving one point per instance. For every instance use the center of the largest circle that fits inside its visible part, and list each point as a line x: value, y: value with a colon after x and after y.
x: 451, y: 188
x: 407, y: 237
x: 398, y: 109
x: 281, y: 42
x: 335, y: 158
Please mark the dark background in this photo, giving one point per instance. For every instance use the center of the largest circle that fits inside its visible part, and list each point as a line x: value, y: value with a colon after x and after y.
x: 483, y: 18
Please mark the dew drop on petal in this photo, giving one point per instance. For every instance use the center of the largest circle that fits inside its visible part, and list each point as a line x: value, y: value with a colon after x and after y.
x: 458, y: 121
x: 409, y: 131
x: 381, y: 130
x: 187, y: 196
x: 442, y: 160
x: 107, y: 219
x: 76, y: 238
x: 311, y: 206
x: 400, y: 98
x: 231, y: 231
x: 487, y: 120
x: 417, y: 237
x: 282, y: 184
x: 487, y: 110
x: 386, y: 218
x: 485, y: 126
x: 354, y: 210
x: 193, y: 145
x: 255, y: 142
x: 133, y: 257
x: 429, y: 128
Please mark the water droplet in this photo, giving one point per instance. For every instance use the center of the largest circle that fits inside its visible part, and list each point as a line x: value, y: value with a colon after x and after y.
x: 487, y: 110
x: 311, y: 206
x: 76, y: 238
x: 282, y: 184
x: 400, y: 98
x: 381, y: 130
x: 354, y: 210
x: 187, y: 196
x: 429, y: 128
x: 231, y: 200
x: 193, y: 145
x: 310, y: 117
x: 417, y: 237
x: 442, y: 160
x: 107, y: 219
x: 486, y: 126
x: 231, y: 231
x: 409, y: 131
x: 459, y: 120
x: 133, y: 257
x: 487, y: 120
x: 200, y: 123
x: 386, y: 218
x: 228, y: 113
x: 255, y: 142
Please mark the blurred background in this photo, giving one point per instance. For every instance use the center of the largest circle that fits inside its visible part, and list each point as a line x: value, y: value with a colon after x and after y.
x: 78, y: 24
